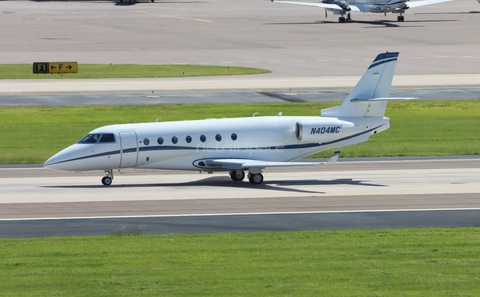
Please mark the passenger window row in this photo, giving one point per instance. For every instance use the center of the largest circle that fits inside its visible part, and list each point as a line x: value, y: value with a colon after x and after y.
x: 188, y: 139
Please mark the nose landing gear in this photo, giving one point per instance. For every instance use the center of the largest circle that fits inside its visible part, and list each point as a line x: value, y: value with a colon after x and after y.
x: 108, y: 179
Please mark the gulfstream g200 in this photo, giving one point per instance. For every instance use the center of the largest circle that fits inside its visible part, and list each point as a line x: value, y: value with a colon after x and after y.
x: 237, y: 145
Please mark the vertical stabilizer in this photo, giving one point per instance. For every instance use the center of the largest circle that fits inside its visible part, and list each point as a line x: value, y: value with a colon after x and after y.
x: 369, y: 97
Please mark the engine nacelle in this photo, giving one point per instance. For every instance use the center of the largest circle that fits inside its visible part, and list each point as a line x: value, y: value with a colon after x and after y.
x: 320, y: 130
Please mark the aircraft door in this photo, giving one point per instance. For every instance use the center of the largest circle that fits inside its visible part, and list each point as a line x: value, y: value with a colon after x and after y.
x: 129, y: 149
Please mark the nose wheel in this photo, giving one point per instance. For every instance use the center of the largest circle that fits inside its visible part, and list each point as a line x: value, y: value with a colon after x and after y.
x: 108, y: 179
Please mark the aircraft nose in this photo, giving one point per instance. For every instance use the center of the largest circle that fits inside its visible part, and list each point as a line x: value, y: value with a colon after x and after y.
x: 60, y: 160
x: 55, y: 162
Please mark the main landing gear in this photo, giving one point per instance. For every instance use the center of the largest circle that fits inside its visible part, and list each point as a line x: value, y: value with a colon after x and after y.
x: 108, y: 179
x: 255, y: 178
x: 342, y: 19
x: 400, y: 17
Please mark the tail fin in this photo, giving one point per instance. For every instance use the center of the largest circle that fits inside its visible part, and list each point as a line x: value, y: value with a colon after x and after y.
x: 370, y: 95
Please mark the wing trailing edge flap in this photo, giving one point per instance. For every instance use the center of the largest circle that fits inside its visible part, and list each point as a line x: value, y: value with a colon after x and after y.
x: 238, y: 164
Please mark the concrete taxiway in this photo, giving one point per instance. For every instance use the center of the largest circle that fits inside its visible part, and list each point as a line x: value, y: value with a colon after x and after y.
x: 342, y: 186
x: 303, y: 50
x: 292, y: 41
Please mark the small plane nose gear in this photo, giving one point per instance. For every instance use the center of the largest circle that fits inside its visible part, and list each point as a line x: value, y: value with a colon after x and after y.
x: 237, y: 175
x: 108, y: 179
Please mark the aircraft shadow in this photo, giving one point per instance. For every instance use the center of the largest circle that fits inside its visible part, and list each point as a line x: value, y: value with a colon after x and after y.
x: 377, y: 23
x: 217, y: 181
x: 126, y: 3
x: 449, y: 13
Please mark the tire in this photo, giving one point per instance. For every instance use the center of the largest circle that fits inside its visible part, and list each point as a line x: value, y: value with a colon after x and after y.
x: 255, y: 179
x: 237, y: 175
x: 107, y: 180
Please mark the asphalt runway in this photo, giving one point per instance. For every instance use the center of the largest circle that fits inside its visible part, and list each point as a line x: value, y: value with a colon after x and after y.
x: 222, y: 98
x: 37, y: 202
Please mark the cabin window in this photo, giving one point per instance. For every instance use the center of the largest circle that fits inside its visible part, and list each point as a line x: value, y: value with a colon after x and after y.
x: 90, y: 138
x: 188, y: 139
x: 146, y: 141
x: 174, y: 139
x: 218, y: 137
x: 107, y: 137
x: 203, y: 138
x: 160, y: 140
x: 234, y: 136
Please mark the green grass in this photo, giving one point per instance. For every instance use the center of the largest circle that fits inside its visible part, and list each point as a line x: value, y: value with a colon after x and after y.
x: 24, y: 71
x: 30, y: 135
x: 402, y: 262
x: 425, y: 128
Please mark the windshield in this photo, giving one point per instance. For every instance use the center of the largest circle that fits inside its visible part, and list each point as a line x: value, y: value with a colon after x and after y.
x: 107, y: 137
x: 90, y: 138
x: 94, y: 138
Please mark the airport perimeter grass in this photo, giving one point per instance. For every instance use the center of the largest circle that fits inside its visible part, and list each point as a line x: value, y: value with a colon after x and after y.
x: 24, y: 71
x: 30, y: 135
x: 402, y: 262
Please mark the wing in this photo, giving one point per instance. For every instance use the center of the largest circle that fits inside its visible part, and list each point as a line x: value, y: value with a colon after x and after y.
x: 412, y: 4
x: 324, y: 5
x: 238, y: 164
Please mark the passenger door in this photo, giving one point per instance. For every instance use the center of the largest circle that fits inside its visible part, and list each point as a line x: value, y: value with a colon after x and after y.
x: 129, y: 149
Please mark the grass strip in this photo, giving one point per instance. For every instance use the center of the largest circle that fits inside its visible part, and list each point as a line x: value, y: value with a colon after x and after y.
x: 30, y: 135
x: 25, y: 71
x: 401, y: 262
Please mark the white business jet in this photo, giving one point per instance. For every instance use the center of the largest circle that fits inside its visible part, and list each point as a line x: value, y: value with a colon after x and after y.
x: 237, y: 145
x: 377, y: 6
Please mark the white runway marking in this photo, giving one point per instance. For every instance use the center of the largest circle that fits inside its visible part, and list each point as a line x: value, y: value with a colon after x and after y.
x: 239, y: 214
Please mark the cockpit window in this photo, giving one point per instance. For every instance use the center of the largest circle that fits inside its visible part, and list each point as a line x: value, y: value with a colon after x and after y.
x: 94, y: 138
x: 90, y: 138
x: 108, y: 137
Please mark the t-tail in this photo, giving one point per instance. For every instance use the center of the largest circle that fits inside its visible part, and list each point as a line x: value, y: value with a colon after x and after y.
x: 370, y: 96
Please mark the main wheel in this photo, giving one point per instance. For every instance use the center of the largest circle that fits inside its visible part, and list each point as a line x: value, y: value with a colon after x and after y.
x: 255, y: 179
x: 237, y: 175
x: 106, y: 180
